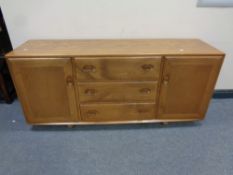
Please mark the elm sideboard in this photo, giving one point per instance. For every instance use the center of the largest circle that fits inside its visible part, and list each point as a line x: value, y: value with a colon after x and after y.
x: 75, y: 82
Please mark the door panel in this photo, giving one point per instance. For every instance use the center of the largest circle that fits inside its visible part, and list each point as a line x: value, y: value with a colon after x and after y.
x: 45, y: 89
x: 187, y: 86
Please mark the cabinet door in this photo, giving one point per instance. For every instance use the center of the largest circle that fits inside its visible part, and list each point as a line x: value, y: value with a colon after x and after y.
x: 45, y: 89
x: 187, y: 86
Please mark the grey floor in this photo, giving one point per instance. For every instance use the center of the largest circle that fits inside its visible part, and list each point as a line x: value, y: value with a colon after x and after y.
x: 202, y: 148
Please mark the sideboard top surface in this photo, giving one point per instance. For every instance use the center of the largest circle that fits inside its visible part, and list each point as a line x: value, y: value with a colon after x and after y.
x: 113, y: 47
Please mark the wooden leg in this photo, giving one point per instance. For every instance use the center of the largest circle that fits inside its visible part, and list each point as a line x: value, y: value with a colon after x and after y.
x: 70, y: 126
x: 4, y: 89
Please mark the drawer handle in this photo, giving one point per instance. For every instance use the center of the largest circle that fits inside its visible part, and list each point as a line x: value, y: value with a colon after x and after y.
x: 92, y: 113
x: 88, y: 68
x: 141, y: 111
x: 90, y: 92
x: 147, y: 67
x: 145, y: 90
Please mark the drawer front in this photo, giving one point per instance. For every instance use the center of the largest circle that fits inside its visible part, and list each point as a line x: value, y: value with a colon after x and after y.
x: 117, y: 69
x: 117, y: 92
x: 118, y: 112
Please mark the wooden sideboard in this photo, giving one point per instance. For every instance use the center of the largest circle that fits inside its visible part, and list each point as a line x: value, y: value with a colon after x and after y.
x: 114, y: 81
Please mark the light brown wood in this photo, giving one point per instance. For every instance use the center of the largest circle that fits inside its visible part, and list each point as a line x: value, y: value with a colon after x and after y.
x: 187, y: 86
x: 118, y: 92
x: 117, y: 69
x: 113, y: 47
x: 80, y: 123
x: 43, y: 89
x: 67, y: 82
x: 117, y: 112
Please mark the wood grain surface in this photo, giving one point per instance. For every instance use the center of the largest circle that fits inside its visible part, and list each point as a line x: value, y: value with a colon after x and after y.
x: 114, y: 81
x: 117, y: 69
x: 109, y: 47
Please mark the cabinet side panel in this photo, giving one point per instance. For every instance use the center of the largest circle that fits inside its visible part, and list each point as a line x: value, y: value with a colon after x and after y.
x: 19, y: 94
x: 210, y: 87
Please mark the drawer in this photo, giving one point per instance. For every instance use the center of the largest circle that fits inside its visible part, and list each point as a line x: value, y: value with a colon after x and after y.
x: 117, y: 92
x: 118, y: 112
x: 117, y: 69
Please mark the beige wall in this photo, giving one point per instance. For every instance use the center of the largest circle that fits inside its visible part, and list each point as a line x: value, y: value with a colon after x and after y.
x: 32, y: 19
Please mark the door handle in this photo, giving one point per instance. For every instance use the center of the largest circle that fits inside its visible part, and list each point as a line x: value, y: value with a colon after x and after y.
x: 166, y: 79
x: 69, y: 80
